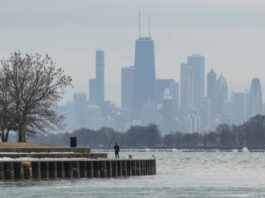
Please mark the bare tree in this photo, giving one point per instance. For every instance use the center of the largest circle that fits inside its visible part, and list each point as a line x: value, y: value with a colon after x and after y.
x: 7, y: 117
x: 35, y: 86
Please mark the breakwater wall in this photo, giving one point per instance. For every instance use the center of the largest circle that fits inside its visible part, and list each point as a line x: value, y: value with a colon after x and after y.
x: 75, y: 168
x: 66, y: 162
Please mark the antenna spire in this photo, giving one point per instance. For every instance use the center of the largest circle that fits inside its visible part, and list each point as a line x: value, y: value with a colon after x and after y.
x: 139, y: 23
x: 149, y: 26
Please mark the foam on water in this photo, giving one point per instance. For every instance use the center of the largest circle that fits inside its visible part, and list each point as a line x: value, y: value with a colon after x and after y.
x: 245, y: 149
x: 179, y: 174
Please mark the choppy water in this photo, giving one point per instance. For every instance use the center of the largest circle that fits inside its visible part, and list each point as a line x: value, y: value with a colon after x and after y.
x: 179, y: 174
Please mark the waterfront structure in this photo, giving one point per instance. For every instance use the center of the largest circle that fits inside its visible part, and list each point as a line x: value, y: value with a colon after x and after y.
x: 255, y: 98
x: 96, y: 86
x: 144, y: 74
x: 51, y: 162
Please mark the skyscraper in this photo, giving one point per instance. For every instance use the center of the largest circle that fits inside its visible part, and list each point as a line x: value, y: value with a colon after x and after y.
x: 144, y: 74
x: 221, y: 94
x: 167, y: 113
x: 239, y: 107
x: 127, y: 78
x: 197, y: 63
x: 211, y: 90
x: 93, y: 91
x: 186, y: 87
x: 96, y: 86
x: 81, y: 109
x: 100, y: 67
x: 173, y: 86
x: 255, y: 97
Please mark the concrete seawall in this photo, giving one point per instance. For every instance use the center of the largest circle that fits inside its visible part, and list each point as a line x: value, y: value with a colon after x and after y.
x: 65, y: 162
x: 75, y: 168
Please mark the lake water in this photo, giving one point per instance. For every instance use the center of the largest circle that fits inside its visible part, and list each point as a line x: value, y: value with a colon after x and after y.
x: 179, y: 174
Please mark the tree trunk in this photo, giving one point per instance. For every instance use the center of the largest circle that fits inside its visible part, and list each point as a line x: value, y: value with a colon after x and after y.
x: 22, y: 133
x: 4, y: 135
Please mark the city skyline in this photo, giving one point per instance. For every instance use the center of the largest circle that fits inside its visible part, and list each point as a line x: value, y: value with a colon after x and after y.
x: 227, y: 33
x: 197, y: 103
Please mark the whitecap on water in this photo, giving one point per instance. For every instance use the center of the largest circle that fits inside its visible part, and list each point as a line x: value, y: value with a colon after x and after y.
x: 244, y: 149
x: 174, y: 150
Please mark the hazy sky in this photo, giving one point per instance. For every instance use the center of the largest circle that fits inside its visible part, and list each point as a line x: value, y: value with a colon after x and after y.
x: 229, y: 33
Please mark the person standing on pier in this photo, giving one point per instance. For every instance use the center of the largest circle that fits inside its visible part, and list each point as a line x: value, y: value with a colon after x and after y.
x: 117, y: 150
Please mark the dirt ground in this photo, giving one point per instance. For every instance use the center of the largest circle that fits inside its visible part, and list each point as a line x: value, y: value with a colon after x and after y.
x: 25, y: 145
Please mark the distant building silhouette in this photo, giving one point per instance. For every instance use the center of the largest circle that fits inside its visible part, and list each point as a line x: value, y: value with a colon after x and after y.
x: 149, y: 113
x: 206, y: 113
x: 197, y: 63
x: 144, y: 74
x: 167, y: 113
x: 96, y: 86
x: 173, y: 87
x: 239, y: 107
x: 182, y: 106
x: 255, y: 97
x: 81, y: 109
x: 212, y: 90
x: 186, y: 86
x: 127, y: 84
x: 221, y: 94
x: 93, y: 91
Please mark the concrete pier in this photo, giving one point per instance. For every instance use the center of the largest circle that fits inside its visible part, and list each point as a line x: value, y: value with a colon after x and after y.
x: 75, y: 168
x: 65, y: 162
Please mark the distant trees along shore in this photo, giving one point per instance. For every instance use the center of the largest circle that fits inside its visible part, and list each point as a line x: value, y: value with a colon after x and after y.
x: 249, y: 134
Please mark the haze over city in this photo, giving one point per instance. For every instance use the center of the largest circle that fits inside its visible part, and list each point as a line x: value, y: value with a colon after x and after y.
x: 228, y: 33
x: 132, y: 98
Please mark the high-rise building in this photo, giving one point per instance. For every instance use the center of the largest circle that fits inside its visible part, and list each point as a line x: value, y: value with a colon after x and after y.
x: 127, y: 78
x: 149, y: 113
x: 144, y: 74
x: 96, y: 86
x: 167, y: 113
x: 197, y: 63
x: 173, y: 86
x: 93, y: 91
x: 211, y: 90
x: 239, y: 107
x: 81, y: 109
x: 221, y: 95
x: 206, y: 113
x: 186, y: 87
x: 255, y: 97
x: 100, y: 67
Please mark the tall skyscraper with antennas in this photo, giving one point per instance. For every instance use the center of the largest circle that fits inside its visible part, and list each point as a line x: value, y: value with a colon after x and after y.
x: 144, y: 76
